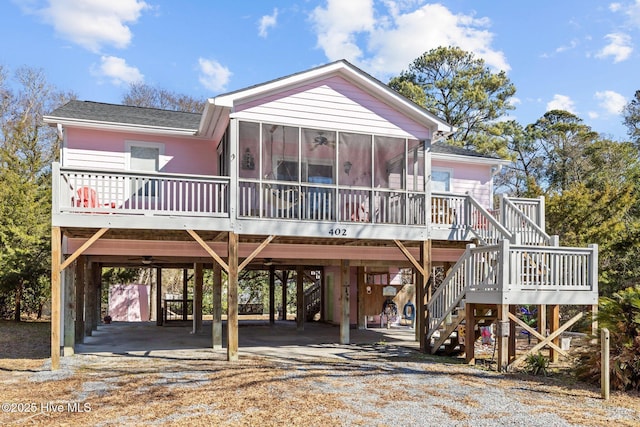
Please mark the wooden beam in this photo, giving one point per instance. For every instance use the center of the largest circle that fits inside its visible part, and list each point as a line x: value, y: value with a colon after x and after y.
x: 272, y: 295
x: 56, y: 254
x: 90, y: 299
x: 216, y: 328
x: 300, y: 298
x: 97, y: 282
x: 555, y: 323
x: 503, y: 337
x: 159, y: 310
x: 344, y: 302
x: 553, y: 336
x: 512, y: 335
x: 83, y: 248
x: 255, y: 252
x: 410, y: 257
x: 81, y: 306
x: 362, y: 321
x: 422, y: 293
x: 536, y: 334
x: 197, y: 297
x: 232, y: 299
x: 208, y: 249
x: 469, y: 339
x: 69, y: 313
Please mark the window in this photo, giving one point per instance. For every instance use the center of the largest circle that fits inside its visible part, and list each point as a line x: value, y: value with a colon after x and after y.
x: 144, y: 157
x: 441, y: 180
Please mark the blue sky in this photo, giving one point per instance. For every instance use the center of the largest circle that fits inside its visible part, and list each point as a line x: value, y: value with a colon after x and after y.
x: 577, y: 55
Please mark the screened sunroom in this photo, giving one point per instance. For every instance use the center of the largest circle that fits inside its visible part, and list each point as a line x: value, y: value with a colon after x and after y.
x: 289, y: 172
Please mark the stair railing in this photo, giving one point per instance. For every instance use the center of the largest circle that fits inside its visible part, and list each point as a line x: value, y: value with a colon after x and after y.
x: 526, y: 229
x: 449, y: 294
x: 483, y: 225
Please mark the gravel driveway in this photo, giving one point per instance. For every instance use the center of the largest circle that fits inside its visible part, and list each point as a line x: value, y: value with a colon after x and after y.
x: 318, y: 384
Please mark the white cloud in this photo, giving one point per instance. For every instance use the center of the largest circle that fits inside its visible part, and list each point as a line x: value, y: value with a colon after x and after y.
x: 514, y: 100
x: 385, y: 42
x: 632, y: 11
x: 572, y: 45
x: 117, y: 70
x: 93, y: 24
x: 338, y: 25
x: 611, y: 101
x: 614, y: 7
x: 619, y: 47
x: 561, y: 102
x: 266, y: 22
x: 593, y: 115
x: 213, y: 75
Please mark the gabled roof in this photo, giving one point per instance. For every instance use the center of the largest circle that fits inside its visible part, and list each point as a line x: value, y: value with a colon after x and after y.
x: 217, y: 110
x: 88, y: 113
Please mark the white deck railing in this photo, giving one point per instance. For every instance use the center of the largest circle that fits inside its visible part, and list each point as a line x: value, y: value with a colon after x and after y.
x: 78, y: 190
x: 85, y: 191
x: 506, y: 273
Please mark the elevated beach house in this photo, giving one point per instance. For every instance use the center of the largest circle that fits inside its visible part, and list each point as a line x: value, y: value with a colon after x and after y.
x: 328, y: 173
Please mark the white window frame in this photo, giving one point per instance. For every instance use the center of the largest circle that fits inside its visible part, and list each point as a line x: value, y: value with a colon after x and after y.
x: 162, y: 161
x: 444, y: 170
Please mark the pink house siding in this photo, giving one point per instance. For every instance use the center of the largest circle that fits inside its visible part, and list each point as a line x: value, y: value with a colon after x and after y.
x: 332, y: 103
x: 473, y: 178
x: 85, y: 148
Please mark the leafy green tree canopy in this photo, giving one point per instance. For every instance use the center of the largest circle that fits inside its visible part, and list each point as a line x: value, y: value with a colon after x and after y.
x: 631, y: 115
x: 457, y: 87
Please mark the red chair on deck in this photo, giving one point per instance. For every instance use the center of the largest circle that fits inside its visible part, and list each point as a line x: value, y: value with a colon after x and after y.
x: 88, y: 198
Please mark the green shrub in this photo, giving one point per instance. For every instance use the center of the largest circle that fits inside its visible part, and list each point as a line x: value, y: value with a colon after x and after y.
x: 620, y: 314
x: 537, y: 364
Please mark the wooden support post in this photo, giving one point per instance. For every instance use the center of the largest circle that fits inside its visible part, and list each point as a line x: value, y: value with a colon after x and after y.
x: 300, y: 298
x: 69, y: 311
x: 470, y: 335
x: 344, y: 302
x: 97, y: 282
x: 272, y: 295
x: 197, y: 297
x: 555, y: 324
x: 503, y: 336
x: 594, y: 320
x: 285, y: 280
x: 604, y: 363
x: 56, y: 258
x: 323, y: 293
x: 513, y: 335
x: 362, y: 321
x: 90, y: 299
x: 216, y: 328
x: 422, y: 283
x: 185, y: 294
x: 542, y: 320
x: 232, y: 299
x: 159, y: 308
x: 80, y: 299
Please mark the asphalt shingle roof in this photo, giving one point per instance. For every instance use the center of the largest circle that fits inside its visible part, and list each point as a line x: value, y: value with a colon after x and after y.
x: 444, y: 148
x: 100, y: 112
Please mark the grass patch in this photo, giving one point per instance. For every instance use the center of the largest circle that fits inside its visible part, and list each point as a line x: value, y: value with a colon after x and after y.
x: 25, y: 345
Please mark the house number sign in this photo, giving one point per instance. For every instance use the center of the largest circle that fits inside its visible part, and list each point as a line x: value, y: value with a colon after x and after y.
x: 337, y: 232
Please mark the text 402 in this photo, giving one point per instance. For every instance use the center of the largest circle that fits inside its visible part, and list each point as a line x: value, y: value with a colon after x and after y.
x: 338, y: 232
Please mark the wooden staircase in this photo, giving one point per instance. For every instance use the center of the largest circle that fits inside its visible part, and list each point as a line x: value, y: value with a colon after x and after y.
x: 312, y: 300
x: 448, y: 341
x: 446, y: 307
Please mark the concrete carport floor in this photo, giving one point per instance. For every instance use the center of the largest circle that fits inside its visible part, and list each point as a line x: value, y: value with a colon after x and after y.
x: 280, y: 340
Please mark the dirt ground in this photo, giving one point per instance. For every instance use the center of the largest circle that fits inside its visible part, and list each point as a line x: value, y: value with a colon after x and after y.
x: 202, y: 388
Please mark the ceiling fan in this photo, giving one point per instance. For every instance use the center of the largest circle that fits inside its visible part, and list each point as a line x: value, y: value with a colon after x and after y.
x: 321, y: 140
x: 146, y: 261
